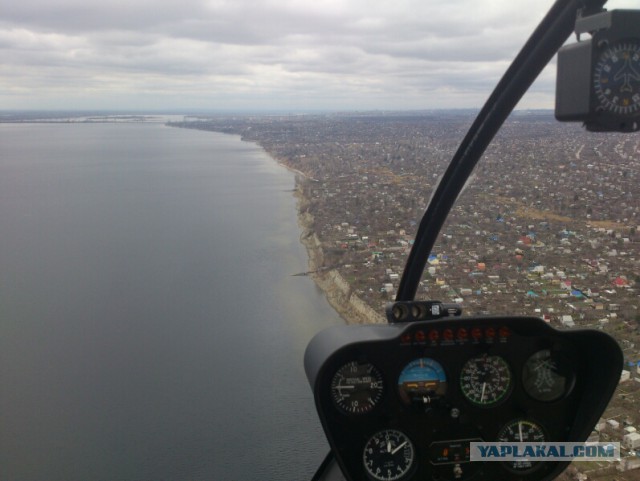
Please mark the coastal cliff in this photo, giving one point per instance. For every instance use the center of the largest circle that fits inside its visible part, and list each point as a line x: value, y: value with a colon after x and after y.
x: 337, y: 290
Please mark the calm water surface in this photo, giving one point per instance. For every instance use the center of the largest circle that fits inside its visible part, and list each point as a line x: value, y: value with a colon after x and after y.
x: 150, y: 328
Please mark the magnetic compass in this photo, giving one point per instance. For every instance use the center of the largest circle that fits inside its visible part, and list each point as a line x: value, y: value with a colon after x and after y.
x: 599, y: 78
x: 616, y: 78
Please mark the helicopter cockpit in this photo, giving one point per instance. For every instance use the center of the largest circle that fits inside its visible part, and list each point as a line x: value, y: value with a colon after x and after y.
x: 407, y: 400
x: 404, y: 401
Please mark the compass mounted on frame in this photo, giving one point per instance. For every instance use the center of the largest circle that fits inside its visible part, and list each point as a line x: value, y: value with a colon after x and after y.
x: 598, y: 79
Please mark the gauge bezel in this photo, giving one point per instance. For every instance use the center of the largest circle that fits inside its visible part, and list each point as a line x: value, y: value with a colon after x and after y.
x: 535, y: 465
x: 433, y: 364
x: 402, y: 439
x: 570, y: 379
x: 606, y: 100
x: 505, y: 393
x: 376, y: 393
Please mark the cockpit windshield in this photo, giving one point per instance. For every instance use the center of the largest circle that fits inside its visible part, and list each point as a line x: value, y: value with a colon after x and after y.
x: 233, y: 239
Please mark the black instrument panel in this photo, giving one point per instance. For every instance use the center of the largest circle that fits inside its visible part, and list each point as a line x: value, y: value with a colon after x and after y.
x: 404, y: 401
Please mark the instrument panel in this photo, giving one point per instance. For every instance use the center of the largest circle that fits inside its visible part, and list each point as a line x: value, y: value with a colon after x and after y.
x: 404, y: 401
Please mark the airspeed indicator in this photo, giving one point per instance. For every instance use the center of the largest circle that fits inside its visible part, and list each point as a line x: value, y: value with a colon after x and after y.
x: 485, y: 380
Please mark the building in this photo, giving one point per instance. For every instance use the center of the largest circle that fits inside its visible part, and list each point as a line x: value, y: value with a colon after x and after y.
x: 629, y: 463
x: 625, y: 375
x: 631, y: 441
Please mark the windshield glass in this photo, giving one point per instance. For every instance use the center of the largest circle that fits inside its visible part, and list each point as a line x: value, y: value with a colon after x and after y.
x: 189, y: 192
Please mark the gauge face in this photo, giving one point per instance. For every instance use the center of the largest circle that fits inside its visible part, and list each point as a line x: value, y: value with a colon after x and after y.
x: 521, y: 431
x: 421, y: 381
x: 617, y: 78
x: 388, y: 455
x: 485, y: 380
x: 544, y: 378
x: 356, y: 388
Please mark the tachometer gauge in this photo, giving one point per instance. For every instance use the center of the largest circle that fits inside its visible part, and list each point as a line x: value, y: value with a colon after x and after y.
x: 356, y: 388
x: 545, y: 377
x: 521, y: 431
x: 617, y: 78
x: 421, y: 381
x: 388, y: 455
x: 485, y: 380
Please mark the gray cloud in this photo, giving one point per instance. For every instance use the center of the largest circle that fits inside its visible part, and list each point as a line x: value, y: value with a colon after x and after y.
x: 333, y: 54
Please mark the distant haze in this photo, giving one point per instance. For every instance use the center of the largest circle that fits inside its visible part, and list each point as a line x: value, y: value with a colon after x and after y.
x: 263, y: 54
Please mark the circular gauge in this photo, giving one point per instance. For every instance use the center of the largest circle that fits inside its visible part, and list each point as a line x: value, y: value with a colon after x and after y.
x: 485, y: 380
x: 356, y: 387
x: 521, y: 431
x: 388, y: 455
x: 616, y: 78
x: 421, y: 381
x: 545, y: 377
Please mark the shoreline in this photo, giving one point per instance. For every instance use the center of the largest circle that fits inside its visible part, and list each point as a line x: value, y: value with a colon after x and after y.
x: 336, y: 289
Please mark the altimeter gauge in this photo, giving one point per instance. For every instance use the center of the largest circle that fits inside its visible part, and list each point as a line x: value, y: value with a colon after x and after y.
x: 356, y: 388
x: 485, y: 380
x: 388, y: 456
x: 616, y: 78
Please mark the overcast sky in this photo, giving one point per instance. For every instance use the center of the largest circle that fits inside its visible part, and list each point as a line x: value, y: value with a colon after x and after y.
x: 264, y: 54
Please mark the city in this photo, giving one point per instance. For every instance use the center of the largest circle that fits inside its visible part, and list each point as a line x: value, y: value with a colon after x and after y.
x: 547, y: 226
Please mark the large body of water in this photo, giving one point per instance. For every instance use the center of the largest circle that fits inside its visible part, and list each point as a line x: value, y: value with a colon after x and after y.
x: 150, y: 328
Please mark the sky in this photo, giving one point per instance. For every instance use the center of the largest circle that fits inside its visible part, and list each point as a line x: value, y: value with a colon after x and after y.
x: 261, y: 55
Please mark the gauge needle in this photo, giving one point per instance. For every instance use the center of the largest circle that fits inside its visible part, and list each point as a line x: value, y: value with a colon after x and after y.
x: 398, y: 448
x: 520, y: 431
x: 484, y: 385
x: 388, y: 446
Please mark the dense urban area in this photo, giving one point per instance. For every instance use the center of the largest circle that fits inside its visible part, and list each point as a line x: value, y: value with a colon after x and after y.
x: 547, y: 226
